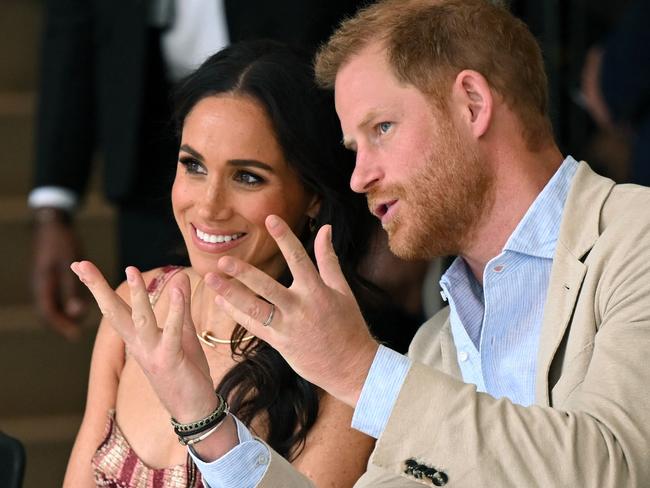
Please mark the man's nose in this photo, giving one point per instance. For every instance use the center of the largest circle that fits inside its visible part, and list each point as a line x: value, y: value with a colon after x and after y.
x: 367, y: 172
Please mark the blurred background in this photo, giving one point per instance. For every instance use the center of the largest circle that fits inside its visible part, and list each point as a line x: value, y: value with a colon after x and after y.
x: 43, y: 375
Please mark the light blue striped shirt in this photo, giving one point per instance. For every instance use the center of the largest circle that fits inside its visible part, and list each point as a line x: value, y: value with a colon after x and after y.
x: 496, y: 331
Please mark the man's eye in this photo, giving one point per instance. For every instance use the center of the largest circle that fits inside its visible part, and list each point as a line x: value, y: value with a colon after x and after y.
x: 192, y: 166
x: 384, y: 127
x: 249, y: 179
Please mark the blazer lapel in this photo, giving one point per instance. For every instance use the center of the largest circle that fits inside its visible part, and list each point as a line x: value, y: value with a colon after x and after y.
x: 578, y: 232
x: 448, y: 351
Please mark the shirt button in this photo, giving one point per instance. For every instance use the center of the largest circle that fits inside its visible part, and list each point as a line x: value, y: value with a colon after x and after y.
x: 262, y: 460
x: 463, y: 356
x: 498, y: 268
x: 443, y: 295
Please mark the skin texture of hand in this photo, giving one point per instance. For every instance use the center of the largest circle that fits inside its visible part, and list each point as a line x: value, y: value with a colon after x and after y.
x: 57, y: 294
x: 317, y: 325
x: 171, y: 357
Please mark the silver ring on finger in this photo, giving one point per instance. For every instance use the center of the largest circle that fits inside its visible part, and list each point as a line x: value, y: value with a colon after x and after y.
x: 269, y: 319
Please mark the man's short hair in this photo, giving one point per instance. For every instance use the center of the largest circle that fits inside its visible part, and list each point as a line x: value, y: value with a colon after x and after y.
x: 428, y: 42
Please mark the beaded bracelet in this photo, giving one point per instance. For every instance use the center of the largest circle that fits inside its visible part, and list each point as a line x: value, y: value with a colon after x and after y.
x: 190, y: 441
x: 200, y: 426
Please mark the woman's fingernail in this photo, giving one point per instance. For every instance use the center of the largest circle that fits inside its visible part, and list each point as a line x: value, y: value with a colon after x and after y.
x: 227, y: 265
x: 272, y: 221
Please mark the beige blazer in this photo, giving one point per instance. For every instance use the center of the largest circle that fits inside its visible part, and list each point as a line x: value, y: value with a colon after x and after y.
x: 590, y: 426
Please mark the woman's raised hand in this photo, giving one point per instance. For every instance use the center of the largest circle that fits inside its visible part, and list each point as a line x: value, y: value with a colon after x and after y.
x: 171, y: 356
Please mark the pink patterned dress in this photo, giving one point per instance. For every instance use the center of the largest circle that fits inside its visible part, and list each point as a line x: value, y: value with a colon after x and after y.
x: 116, y: 465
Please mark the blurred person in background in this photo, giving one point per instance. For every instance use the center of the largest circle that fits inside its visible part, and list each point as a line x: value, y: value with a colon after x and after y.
x: 616, y: 90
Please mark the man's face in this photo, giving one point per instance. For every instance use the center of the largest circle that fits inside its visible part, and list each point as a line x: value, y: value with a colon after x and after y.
x: 422, y: 176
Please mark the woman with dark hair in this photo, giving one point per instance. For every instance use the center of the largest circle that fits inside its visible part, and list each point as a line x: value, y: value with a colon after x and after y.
x: 257, y: 138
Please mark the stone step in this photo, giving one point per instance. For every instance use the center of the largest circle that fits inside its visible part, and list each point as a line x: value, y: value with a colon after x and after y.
x: 48, y: 440
x: 94, y: 224
x: 20, y: 24
x: 17, y: 141
x: 42, y: 372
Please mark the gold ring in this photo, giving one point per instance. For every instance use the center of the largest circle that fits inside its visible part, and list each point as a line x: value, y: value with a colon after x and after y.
x: 269, y: 319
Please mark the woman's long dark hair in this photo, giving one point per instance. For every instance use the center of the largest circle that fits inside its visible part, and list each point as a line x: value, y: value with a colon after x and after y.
x: 280, y: 79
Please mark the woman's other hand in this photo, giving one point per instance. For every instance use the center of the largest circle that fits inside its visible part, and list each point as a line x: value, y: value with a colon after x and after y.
x: 171, y: 356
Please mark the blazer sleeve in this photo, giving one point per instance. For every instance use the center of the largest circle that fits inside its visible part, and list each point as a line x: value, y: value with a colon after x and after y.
x: 281, y: 473
x: 65, y: 120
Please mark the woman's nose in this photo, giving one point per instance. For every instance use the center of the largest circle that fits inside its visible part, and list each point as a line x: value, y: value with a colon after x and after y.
x: 214, y: 203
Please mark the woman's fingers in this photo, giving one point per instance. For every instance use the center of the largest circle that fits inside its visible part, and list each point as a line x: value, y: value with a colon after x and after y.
x: 113, y: 308
x: 179, y: 318
x: 173, y: 331
x: 142, y: 314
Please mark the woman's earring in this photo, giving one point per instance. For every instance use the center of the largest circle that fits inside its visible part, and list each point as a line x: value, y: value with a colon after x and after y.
x: 312, y: 224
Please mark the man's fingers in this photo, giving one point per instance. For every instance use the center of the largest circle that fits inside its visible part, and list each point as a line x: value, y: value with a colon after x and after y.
x: 113, y: 308
x: 254, y: 280
x: 328, y: 262
x: 253, y: 326
x: 250, y: 305
x: 300, y: 265
x: 142, y: 314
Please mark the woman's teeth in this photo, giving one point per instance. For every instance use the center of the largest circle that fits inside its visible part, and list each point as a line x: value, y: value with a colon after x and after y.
x: 213, y: 239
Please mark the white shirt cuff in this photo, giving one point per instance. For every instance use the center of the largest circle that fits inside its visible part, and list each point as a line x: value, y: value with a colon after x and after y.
x: 241, y: 467
x: 53, y: 196
x: 383, y: 384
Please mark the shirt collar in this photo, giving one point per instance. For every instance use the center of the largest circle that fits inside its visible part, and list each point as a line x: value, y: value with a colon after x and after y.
x: 538, y: 231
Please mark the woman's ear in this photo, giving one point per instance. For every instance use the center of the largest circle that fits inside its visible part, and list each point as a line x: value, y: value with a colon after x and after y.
x: 472, y: 95
x: 314, y: 207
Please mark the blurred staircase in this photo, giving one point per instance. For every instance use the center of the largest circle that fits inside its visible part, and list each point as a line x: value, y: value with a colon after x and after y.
x: 42, y: 377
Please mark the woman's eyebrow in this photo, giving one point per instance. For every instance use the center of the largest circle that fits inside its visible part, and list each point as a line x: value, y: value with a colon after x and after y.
x: 188, y: 149
x: 250, y: 162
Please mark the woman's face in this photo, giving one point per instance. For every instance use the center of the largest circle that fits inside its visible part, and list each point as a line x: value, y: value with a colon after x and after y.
x: 231, y: 175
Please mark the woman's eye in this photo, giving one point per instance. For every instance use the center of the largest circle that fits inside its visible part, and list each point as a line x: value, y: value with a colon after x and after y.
x: 249, y: 179
x: 384, y: 127
x: 192, y: 166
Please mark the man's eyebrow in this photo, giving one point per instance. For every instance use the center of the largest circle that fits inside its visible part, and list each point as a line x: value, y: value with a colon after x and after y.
x: 188, y: 149
x: 348, y: 143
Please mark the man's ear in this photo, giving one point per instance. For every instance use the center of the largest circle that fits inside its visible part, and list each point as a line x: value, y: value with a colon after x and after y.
x: 472, y: 94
